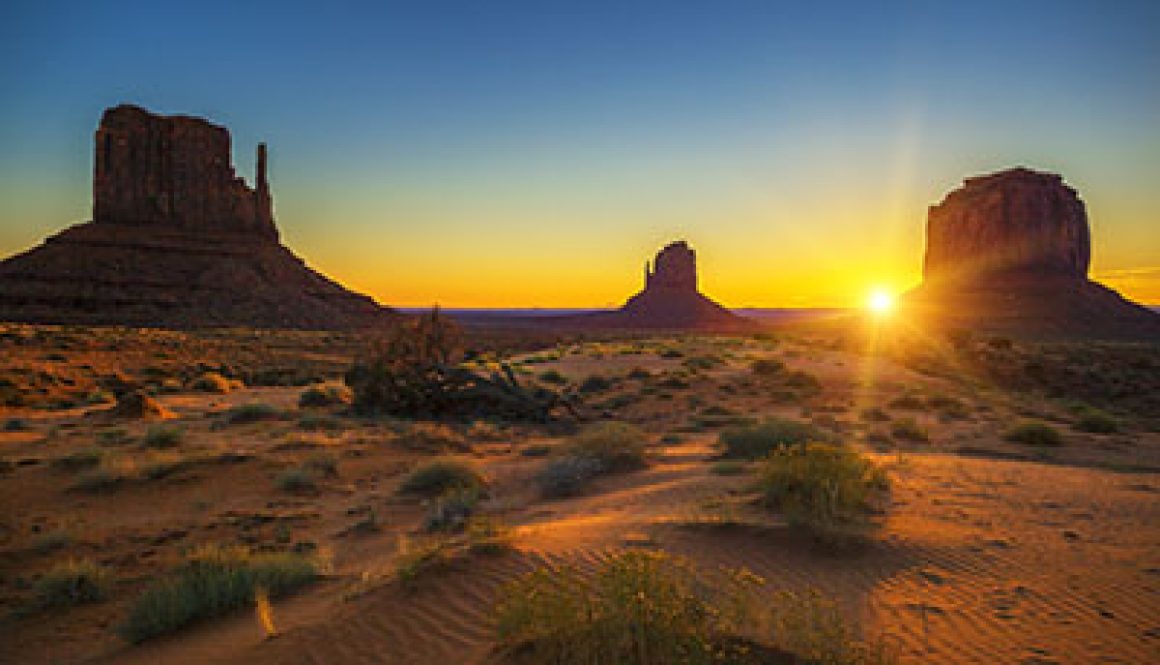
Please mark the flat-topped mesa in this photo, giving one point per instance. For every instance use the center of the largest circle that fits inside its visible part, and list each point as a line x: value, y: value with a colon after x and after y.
x: 177, y: 240
x: 1009, y: 253
x: 675, y: 267
x: 175, y: 171
x: 1014, y: 222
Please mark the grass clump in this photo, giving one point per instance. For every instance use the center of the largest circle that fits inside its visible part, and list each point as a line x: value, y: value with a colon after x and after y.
x: 907, y: 429
x: 1034, y: 433
x: 616, y: 446
x: 830, y: 490
x: 728, y: 467
x: 598, y: 449
x: 251, y: 413
x: 50, y: 541
x: 85, y: 458
x: 440, y: 475
x: 452, y: 509
x: 553, y: 376
x: 594, y: 384
x: 99, y: 479
x: 567, y: 475
x: 71, y: 583
x: 161, y: 436
x: 757, y: 441
x: 213, y: 580
x: 639, y: 607
x: 766, y: 367
x: 297, y: 479
x: 323, y: 396
x: 1096, y: 421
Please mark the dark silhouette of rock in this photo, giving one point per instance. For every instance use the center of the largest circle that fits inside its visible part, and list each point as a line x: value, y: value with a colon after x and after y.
x: 670, y: 299
x: 1009, y: 252
x: 177, y: 240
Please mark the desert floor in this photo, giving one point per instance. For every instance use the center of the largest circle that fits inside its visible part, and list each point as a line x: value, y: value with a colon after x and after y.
x: 990, y: 551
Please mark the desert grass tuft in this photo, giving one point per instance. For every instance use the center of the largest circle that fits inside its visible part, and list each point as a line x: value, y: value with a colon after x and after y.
x: 211, y: 581
x: 757, y: 441
x: 830, y: 490
x: 439, y: 475
x: 1034, y: 433
x: 71, y: 583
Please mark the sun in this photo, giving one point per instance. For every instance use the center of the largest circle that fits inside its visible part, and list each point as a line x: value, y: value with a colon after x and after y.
x: 880, y: 302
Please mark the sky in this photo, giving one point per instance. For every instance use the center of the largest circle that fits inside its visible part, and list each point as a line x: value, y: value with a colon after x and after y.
x: 535, y: 154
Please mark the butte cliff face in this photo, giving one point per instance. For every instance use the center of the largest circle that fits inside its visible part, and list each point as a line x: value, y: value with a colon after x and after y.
x: 670, y: 298
x: 177, y: 240
x: 1010, y: 252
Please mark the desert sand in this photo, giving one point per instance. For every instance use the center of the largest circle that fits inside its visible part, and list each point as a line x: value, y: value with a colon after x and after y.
x: 988, y: 551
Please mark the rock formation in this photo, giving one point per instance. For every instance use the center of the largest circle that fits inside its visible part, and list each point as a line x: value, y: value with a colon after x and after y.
x: 670, y: 299
x: 1009, y: 252
x: 177, y: 240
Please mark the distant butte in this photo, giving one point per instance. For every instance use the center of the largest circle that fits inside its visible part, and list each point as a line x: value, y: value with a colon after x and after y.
x: 670, y: 299
x: 177, y: 239
x: 1009, y: 252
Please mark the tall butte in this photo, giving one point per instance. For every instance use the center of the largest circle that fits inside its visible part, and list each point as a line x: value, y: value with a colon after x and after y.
x: 670, y: 298
x: 1009, y: 252
x: 177, y: 239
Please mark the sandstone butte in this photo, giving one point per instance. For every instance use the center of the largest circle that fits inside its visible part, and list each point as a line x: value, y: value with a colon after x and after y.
x: 1009, y: 252
x: 177, y: 240
x: 670, y: 299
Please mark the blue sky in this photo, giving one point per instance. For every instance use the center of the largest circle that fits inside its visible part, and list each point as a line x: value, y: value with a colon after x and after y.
x: 535, y: 153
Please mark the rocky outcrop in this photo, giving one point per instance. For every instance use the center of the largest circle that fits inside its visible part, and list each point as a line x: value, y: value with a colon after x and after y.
x: 1015, y: 221
x: 177, y: 240
x: 670, y: 299
x: 1009, y: 252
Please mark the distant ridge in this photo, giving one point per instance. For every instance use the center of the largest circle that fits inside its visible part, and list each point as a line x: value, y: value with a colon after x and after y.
x: 177, y: 240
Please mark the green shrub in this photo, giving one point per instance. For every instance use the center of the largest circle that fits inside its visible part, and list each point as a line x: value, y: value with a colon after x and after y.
x: 617, y: 446
x: 323, y: 463
x: 251, y: 413
x: 830, y: 490
x: 639, y: 373
x: 439, y: 475
x: 536, y: 450
x: 213, y: 581
x: 322, y: 396
x: 161, y: 436
x: 71, y: 583
x: 766, y: 367
x: 567, y: 475
x: 451, y: 509
x: 15, y: 425
x: 757, y: 441
x: 553, y: 376
x: 85, y: 458
x: 297, y: 479
x: 1096, y: 421
x: 728, y: 467
x: 50, y: 541
x: 99, y: 479
x: 909, y: 430
x: 639, y: 607
x: 595, y: 383
x: 1034, y: 433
